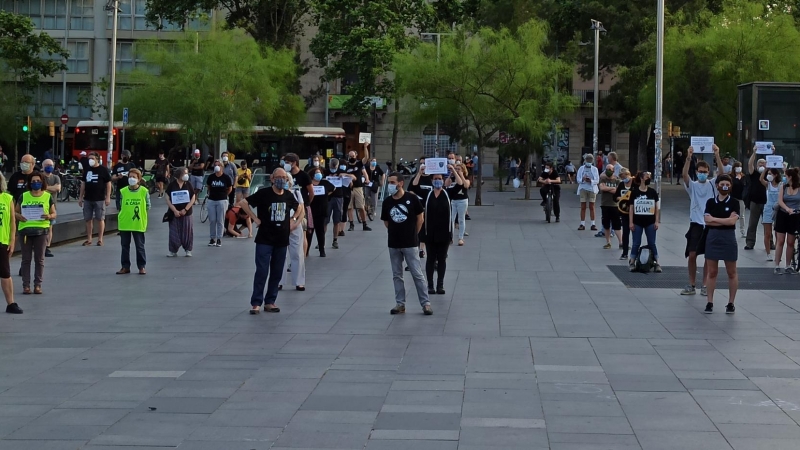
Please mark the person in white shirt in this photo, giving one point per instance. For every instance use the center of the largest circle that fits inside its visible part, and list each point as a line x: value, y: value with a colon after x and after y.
x: 700, y: 192
x: 612, y: 160
x: 588, y: 178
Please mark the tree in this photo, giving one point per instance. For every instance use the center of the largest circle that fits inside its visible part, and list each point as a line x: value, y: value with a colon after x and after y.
x: 487, y: 82
x: 227, y: 82
x: 22, y: 56
x: 362, y: 38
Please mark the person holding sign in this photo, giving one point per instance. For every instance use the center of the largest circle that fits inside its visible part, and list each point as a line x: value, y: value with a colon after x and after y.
x: 132, y: 220
x: 700, y: 192
x: 643, y: 215
x: 180, y: 199
x: 787, y: 220
x: 757, y: 194
x: 34, y: 211
x: 774, y: 185
x: 721, y: 214
x: 335, y: 203
x: 319, y: 208
x: 739, y: 182
x: 623, y: 190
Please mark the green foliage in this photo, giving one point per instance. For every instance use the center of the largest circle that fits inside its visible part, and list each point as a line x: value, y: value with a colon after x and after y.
x: 487, y: 82
x: 357, y: 38
x: 229, y: 83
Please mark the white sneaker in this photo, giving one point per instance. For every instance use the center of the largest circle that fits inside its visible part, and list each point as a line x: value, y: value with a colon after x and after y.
x: 188, y: 254
x: 769, y: 258
x: 171, y: 255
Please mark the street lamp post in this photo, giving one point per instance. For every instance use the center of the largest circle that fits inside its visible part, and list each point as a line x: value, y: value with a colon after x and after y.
x: 112, y: 5
x: 659, y: 90
x: 438, y: 55
x: 62, y: 154
x: 597, y: 27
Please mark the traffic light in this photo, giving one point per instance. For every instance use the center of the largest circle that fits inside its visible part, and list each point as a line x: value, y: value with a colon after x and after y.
x: 52, y: 129
x: 27, y: 126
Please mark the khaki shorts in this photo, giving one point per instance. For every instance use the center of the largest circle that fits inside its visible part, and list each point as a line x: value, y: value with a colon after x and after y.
x: 588, y: 196
x: 96, y: 210
x: 357, y: 199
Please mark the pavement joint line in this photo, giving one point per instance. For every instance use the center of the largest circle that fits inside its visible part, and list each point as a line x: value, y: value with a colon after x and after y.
x: 146, y: 373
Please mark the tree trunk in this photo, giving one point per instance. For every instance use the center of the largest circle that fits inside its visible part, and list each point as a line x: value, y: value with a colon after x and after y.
x: 527, y: 172
x: 395, y: 132
x: 479, y: 179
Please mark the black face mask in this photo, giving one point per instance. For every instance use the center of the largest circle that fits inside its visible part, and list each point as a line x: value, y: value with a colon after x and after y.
x: 647, y: 182
x: 352, y: 160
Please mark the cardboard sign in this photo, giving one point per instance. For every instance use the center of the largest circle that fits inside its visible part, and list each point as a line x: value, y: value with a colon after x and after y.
x: 764, y: 148
x: 435, y: 166
x: 774, y: 162
x: 364, y: 138
x: 703, y: 144
x: 644, y: 207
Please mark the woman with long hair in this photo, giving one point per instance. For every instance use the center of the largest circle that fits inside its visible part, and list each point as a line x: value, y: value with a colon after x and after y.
x: 460, y: 197
x: 625, y: 185
x: 643, y: 214
x: 33, y: 230
x: 739, y: 181
x: 721, y: 214
x: 787, y: 220
x: 771, y: 179
x: 319, y: 208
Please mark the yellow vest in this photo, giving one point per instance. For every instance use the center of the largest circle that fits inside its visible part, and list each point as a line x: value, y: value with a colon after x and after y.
x: 5, y: 217
x: 30, y: 200
x: 133, y: 215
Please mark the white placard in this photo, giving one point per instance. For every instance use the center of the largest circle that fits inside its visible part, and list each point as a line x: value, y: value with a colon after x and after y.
x: 435, y: 166
x: 364, y: 138
x: 774, y: 162
x: 703, y: 144
x: 32, y: 212
x: 346, y: 181
x: 764, y: 148
x: 180, y: 197
x: 319, y: 190
x: 335, y: 181
x: 644, y: 207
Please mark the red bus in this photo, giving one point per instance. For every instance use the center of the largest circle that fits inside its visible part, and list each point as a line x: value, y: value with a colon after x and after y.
x: 92, y: 136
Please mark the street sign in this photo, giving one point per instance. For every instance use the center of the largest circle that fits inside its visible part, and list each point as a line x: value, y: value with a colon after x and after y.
x: 64, y: 119
x: 125, y: 116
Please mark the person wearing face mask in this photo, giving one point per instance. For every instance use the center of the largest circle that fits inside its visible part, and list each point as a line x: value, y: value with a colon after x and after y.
x: 787, y: 220
x: 588, y: 179
x: 359, y: 176
x: 132, y: 219
x: 162, y: 169
x: 721, y: 214
x: 119, y: 174
x: 94, y: 197
x: 643, y: 218
x: 738, y: 193
x: 402, y: 215
x: 314, y: 161
x: 459, y: 198
x: 197, y: 167
x: 180, y: 200
x: 551, y: 182
x: 376, y: 181
x: 758, y: 197
x: 275, y: 224
x: 773, y: 182
x: 219, y: 186
x: 33, y: 229
x: 624, y: 186
x: 229, y: 169
x: 611, y: 220
x: 421, y: 185
x: 295, y: 265
x: 319, y: 208
x: 18, y: 182
x: 8, y: 236
x: 335, y: 202
x: 243, y: 178
x: 439, y: 227
x: 700, y: 192
x: 53, y: 182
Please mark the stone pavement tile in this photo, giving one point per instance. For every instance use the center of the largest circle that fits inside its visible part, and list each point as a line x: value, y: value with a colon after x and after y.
x: 324, y: 435
x: 716, y: 384
x: 502, y: 403
x: 411, y: 445
x: 760, y: 431
x: 165, y: 361
x: 45, y: 431
x: 227, y: 445
x: 58, y: 391
x: 588, y: 424
x: 122, y: 389
x: 359, y: 375
x: 581, y: 408
x: 762, y: 444
x: 267, y: 415
x: 264, y: 383
x: 685, y: 440
x: 78, y: 340
x: 645, y: 383
x: 579, y: 392
x: 427, y: 385
x: 60, y: 374
x: 196, y: 374
x: 10, y: 424
x: 674, y: 411
x: 376, y: 346
x: 431, y: 435
x: 80, y: 417
x: 353, y: 389
x: 747, y: 407
x: 622, y: 346
x: 500, y: 363
x: 500, y: 380
x: 16, y: 411
x: 426, y: 398
x: 34, y: 444
x: 417, y: 421
x: 179, y: 405
x: 206, y: 389
x: 588, y: 441
x: 570, y: 374
x: 509, y: 438
x: 233, y: 362
x: 243, y: 344
x: 249, y: 434
x: 348, y: 417
x: 145, y: 429
x: 343, y: 403
x: 316, y: 345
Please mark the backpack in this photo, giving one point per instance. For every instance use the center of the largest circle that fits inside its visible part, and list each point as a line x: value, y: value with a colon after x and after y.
x: 644, y: 263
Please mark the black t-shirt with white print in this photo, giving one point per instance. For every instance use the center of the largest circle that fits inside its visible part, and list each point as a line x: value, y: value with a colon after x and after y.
x: 218, y: 186
x: 644, y: 206
x: 274, y: 212
x: 401, y: 217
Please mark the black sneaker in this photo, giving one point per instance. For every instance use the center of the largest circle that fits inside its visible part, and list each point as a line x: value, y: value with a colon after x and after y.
x: 747, y: 247
x: 48, y: 253
x: 341, y: 233
x: 13, y: 309
x: 431, y: 291
x: 212, y: 243
x: 709, y: 308
x: 366, y: 228
x: 466, y: 217
x: 219, y: 243
x: 352, y: 227
x: 427, y: 310
x: 440, y: 291
x: 322, y: 254
x: 399, y: 309
x: 730, y: 309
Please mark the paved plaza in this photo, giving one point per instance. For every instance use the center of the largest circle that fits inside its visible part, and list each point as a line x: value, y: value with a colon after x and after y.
x: 536, y: 345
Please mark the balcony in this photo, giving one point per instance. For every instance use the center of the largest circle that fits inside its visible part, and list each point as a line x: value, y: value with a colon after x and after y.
x: 586, y: 96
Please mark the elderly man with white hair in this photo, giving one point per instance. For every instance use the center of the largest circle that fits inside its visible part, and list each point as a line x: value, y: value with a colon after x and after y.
x: 757, y: 195
x: 53, y: 187
x: 588, y: 179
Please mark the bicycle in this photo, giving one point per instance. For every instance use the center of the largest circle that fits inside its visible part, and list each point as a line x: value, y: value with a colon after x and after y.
x: 548, y: 205
x: 203, y: 209
x: 795, y: 264
x: 70, y: 187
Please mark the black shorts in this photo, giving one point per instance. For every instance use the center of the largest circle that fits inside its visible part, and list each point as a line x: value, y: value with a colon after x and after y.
x: 693, y: 237
x: 611, y: 217
x: 5, y: 262
x: 161, y: 179
x: 786, y: 223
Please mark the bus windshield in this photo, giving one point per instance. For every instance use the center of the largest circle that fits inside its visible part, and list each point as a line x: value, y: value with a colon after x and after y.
x: 91, y: 138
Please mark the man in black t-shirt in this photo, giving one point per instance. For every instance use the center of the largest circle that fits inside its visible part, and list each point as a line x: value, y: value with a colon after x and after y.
x: 119, y: 174
x: 373, y: 187
x: 162, y: 172
x: 292, y: 165
x: 357, y: 172
x: 403, y: 217
x: 196, y: 172
x: 18, y: 182
x: 95, y: 196
x: 758, y: 198
x: 272, y: 238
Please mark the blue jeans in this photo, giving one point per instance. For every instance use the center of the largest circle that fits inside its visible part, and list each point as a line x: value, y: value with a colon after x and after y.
x: 269, y: 263
x: 650, y: 231
x: 458, y: 210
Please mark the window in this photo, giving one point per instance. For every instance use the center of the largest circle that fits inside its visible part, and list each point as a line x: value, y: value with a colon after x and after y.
x: 124, y: 16
x: 50, y: 98
x: 32, y: 9
x: 603, y: 135
x: 139, y: 21
x: 201, y: 21
x: 81, y: 15
x: 55, y: 15
x: 128, y: 58
x: 78, y: 61
x: 131, y: 16
x: 445, y: 145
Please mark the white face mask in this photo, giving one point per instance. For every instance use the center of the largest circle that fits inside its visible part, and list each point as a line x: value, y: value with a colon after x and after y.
x: 287, y: 167
x: 770, y: 178
x: 761, y: 169
x: 92, y: 163
x: 546, y: 170
x: 224, y: 159
x: 738, y: 169
x: 316, y: 163
x: 217, y: 169
x: 185, y: 177
x: 133, y: 181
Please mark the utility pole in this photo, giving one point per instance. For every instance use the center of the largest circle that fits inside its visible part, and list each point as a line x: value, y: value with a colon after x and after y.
x: 113, y: 6
x: 597, y: 27
x: 62, y: 151
x: 659, y: 91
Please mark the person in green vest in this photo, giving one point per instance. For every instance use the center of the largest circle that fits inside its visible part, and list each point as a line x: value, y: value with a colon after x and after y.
x: 8, y: 233
x: 132, y: 221
x: 35, y: 209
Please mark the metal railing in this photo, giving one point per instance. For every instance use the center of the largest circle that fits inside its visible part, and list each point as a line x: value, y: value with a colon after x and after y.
x: 586, y: 96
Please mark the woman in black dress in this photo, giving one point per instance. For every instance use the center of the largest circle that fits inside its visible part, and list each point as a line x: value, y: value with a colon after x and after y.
x: 722, y: 213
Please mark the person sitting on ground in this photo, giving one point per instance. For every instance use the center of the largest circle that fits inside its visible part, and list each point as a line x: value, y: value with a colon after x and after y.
x: 236, y: 221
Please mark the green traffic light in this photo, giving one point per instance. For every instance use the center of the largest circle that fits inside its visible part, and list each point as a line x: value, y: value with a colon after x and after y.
x: 24, y: 128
